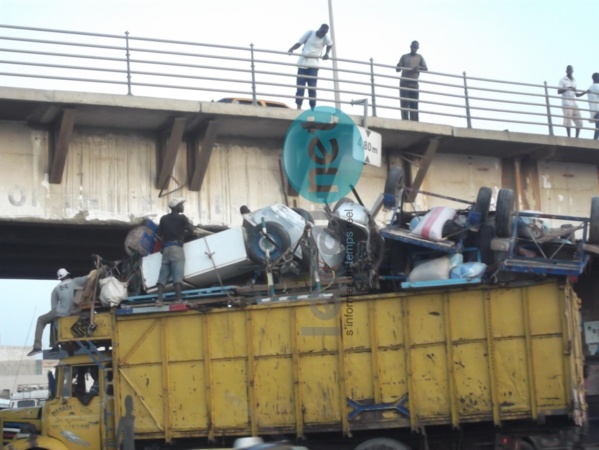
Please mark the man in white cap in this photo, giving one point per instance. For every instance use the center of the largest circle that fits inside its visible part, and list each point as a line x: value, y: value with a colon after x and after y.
x: 62, y: 306
x: 172, y: 229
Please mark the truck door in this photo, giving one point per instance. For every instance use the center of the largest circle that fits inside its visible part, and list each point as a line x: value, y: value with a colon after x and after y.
x: 74, y: 416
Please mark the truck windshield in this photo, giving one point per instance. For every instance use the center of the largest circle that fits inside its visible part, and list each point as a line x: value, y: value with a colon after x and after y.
x: 80, y: 382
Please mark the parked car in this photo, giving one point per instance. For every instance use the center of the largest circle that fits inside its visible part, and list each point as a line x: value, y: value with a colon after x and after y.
x: 248, y: 101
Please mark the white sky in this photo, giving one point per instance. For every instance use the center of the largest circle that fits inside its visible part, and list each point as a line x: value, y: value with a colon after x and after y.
x: 517, y: 40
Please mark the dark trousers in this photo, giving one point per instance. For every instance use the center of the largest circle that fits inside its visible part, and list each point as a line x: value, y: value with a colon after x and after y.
x: 409, y: 100
x: 306, y: 76
x: 596, y: 126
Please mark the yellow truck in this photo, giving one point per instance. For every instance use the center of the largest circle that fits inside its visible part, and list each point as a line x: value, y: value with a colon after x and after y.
x: 459, y: 367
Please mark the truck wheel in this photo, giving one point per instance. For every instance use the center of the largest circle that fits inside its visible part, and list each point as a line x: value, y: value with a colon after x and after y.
x: 276, y: 242
x: 382, y: 444
x: 524, y: 445
x: 503, y: 214
x: 305, y: 214
x: 482, y: 204
x: 593, y: 237
x: 393, y: 187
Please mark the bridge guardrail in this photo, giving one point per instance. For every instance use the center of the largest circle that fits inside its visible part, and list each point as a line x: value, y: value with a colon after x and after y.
x: 127, y: 64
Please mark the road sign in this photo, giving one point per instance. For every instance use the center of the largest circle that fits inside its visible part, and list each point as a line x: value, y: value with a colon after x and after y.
x: 373, y: 146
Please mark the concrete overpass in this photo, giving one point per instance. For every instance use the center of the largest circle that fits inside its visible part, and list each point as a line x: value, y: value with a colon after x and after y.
x: 80, y: 170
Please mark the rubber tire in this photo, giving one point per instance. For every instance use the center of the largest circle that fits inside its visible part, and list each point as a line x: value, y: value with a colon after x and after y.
x: 394, y: 183
x: 255, y: 241
x: 483, y: 203
x: 503, y: 215
x: 382, y: 444
x: 305, y: 214
x: 593, y: 237
x: 340, y: 202
x: 524, y: 445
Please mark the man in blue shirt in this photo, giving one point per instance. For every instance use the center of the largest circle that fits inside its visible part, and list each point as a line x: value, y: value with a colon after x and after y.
x: 172, y: 229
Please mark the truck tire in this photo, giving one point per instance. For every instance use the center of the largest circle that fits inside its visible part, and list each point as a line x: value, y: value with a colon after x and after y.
x: 593, y: 237
x: 305, y: 214
x: 503, y: 214
x: 482, y: 204
x: 277, y: 242
x: 525, y: 445
x: 382, y: 444
x: 393, y: 187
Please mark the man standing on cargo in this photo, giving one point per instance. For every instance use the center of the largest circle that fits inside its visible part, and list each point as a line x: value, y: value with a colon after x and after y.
x: 62, y: 306
x: 172, y: 230
x: 412, y: 64
x: 307, y: 72
x: 567, y: 89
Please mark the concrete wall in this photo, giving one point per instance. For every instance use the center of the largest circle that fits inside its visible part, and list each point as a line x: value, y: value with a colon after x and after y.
x: 110, y: 177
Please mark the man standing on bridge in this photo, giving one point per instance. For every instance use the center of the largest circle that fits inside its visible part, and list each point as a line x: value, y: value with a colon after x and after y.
x: 567, y: 89
x: 307, y: 72
x: 412, y: 64
x: 62, y: 306
x: 172, y: 229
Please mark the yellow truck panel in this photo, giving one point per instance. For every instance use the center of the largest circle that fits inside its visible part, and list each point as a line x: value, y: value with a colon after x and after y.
x: 448, y: 356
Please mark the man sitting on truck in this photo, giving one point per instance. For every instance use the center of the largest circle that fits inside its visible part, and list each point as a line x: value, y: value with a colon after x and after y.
x: 62, y: 306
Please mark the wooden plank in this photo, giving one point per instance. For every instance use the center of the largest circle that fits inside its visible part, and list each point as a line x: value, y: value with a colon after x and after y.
x: 61, y: 145
x: 203, y: 158
x: 431, y: 150
x: 169, y: 153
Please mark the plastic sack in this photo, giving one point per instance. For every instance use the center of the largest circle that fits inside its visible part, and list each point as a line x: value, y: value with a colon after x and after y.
x: 468, y: 270
x: 431, y: 225
x: 112, y: 291
x: 435, y: 269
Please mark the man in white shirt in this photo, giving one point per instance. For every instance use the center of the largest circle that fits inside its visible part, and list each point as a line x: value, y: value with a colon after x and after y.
x: 567, y: 89
x: 308, y: 63
x: 593, y: 92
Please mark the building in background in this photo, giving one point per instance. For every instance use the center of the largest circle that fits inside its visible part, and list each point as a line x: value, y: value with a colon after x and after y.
x: 18, y: 373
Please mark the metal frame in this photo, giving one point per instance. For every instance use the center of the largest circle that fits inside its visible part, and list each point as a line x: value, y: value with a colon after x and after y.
x: 547, y: 264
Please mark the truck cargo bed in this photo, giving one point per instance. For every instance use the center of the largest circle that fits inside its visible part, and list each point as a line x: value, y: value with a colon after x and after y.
x: 445, y: 356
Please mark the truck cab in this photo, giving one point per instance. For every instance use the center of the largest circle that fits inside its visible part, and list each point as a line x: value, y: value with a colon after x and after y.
x: 75, y: 416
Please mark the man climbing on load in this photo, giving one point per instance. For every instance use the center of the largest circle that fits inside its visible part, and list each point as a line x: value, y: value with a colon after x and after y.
x: 172, y: 230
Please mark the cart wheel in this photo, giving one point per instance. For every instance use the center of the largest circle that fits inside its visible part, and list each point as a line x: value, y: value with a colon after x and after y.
x: 305, y: 214
x: 276, y: 242
x: 481, y: 206
x: 503, y: 215
x: 594, y: 225
x: 341, y: 202
x: 382, y: 444
x: 393, y: 187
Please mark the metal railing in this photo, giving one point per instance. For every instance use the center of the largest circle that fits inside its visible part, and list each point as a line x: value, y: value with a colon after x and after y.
x: 142, y: 66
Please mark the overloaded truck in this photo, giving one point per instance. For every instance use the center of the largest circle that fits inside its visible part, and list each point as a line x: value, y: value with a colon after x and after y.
x: 482, y: 366
x: 326, y: 338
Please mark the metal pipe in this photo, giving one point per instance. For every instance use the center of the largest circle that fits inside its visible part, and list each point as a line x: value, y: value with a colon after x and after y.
x: 334, y: 50
x: 128, y: 63
x: 468, y: 119
x: 372, y: 88
x: 253, y: 68
x: 549, y: 120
